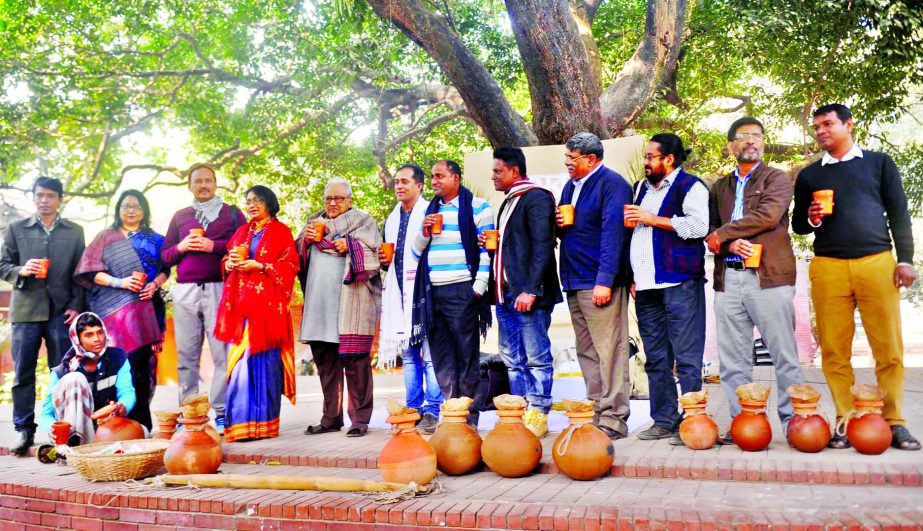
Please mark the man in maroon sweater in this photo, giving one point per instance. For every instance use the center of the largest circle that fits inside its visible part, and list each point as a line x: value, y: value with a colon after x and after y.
x: 199, y: 284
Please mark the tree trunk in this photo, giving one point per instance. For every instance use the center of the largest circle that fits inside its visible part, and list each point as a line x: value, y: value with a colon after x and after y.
x: 643, y: 75
x: 564, y: 90
x: 486, y: 103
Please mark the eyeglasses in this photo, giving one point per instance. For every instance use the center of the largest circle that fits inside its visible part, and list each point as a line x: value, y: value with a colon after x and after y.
x: 649, y: 158
x: 568, y: 158
x: 335, y: 200
x: 740, y: 137
x: 257, y: 201
x: 130, y: 208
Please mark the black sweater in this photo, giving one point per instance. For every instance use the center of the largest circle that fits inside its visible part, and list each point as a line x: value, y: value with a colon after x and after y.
x: 868, y: 198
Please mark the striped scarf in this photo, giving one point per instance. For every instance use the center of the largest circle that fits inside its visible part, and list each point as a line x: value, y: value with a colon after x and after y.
x: 207, y: 211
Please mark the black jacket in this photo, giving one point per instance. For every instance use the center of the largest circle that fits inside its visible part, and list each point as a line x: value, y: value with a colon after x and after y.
x: 528, y: 250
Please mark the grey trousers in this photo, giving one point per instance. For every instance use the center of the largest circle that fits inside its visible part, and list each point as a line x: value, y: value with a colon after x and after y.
x: 195, y: 310
x: 602, y: 351
x: 738, y: 308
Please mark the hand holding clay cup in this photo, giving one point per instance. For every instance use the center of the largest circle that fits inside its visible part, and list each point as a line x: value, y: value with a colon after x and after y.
x: 437, y: 224
x: 491, y: 239
x: 631, y: 221
x: 753, y: 261
x: 242, y: 251
x: 825, y: 198
x: 197, y: 232
x: 387, y: 252
x: 567, y: 215
x: 320, y: 227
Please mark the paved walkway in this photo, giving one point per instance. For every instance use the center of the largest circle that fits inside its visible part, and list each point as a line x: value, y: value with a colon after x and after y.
x: 652, y: 485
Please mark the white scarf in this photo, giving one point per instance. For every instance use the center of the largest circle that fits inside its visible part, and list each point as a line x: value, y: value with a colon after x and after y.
x: 207, y: 211
x: 509, y: 204
x: 396, y: 314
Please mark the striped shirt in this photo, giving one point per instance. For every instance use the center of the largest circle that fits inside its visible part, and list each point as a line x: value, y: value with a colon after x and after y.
x: 738, y: 211
x: 447, y: 263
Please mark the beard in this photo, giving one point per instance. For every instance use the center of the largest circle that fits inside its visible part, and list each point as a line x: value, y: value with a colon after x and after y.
x: 749, y: 156
x: 654, y: 176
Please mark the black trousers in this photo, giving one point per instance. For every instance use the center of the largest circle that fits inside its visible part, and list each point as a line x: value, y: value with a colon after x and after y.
x: 454, y: 342
x: 143, y: 377
x: 331, y: 368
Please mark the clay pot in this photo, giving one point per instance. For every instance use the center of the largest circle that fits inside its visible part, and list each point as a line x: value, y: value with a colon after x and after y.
x: 407, y: 457
x: 111, y: 427
x: 457, y: 445
x: 210, y: 429
x: 750, y: 429
x: 511, y: 450
x: 166, y: 422
x: 808, y: 431
x: 192, y: 450
x: 582, y: 451
x: 868, y: 432
x: 698, y: 431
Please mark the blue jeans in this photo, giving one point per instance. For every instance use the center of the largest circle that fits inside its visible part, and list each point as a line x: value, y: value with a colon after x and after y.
x: 672, y: 325
x: 526, y: 352
x: 420, y: 381
x: 26, y: 341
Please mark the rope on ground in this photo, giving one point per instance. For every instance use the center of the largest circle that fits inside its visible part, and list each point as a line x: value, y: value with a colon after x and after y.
x: 411, y: 491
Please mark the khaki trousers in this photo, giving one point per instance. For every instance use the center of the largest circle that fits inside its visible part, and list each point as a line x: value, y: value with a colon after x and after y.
x: 838, y: 287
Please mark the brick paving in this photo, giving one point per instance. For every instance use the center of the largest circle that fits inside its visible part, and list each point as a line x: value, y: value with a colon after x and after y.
x: 652, y: 485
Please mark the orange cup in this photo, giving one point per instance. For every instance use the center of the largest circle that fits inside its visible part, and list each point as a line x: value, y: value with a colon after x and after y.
x: 60, y: 431
x: 825, y: 197
x: 43, y: 264
x: 493, y: 239
x: 629, y: 223
x: 320, y: 227
x: 243, y: 251
x: 138, y: 275
x: 567, y: 214
x: 197, y: 232
x: 754, y: 261
x: 387, y: 249
x: 437, y: 226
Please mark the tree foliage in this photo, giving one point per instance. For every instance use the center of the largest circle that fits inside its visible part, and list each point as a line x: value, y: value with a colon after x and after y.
x: 292, y: 93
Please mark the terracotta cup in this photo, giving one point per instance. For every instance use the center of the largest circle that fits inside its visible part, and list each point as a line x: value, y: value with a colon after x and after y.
x: 387, y: 249
x: 437, y: 226
x: 43, y: 264
x: 493, y: 239
x: 320, y: 227
x: 197, y: 232
x: 60, y: 431
x: 567, y: 214
x: 138, y: 275
x: 629, y: 223
x: 243, y: 251
x: 826, y: 200
x: 754, y: 261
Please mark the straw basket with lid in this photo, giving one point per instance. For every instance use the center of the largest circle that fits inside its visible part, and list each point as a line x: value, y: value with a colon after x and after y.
x: 808, y: 431
x: 582, y: 451
x: 118, y: 467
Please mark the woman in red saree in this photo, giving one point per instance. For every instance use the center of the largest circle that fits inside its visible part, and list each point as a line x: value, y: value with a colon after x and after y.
x: 254, y: 320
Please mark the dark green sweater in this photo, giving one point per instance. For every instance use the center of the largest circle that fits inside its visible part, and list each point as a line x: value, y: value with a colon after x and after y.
x: 868, y: 199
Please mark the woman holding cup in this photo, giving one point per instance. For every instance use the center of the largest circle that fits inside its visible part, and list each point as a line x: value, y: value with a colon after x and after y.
x: 122, y: 271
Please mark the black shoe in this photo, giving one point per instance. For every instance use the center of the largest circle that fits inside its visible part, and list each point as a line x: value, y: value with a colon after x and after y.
x: 676, y: 440
x: 23, y: 443
x: 428, y: 424
x: 654, y: 433
x: 902, y: 440
x: 73, y: 440
x: 839, y: 442
x: 319, y: 428
x: 725, y: 440
x: 610, y: 433
x: 356, y: 432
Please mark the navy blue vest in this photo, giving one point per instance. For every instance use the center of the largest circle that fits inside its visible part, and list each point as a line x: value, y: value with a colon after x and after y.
x: 102, y: 381
x: 675, y: 259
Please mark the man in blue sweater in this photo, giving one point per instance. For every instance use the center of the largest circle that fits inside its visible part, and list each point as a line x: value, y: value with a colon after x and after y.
x: 594, y: 275
x: 668, y: 264
x: 853, y: 265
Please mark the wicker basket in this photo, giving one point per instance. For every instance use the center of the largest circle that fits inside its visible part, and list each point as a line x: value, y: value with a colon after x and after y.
x: 118, y: 467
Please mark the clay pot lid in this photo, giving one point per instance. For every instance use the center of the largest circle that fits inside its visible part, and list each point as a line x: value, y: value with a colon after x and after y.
x: 455, y: 413
x: 511, y: 412
x: 579, y: 414
x: 401, y: 419
x: 104, y: 412
x: 752, y: 403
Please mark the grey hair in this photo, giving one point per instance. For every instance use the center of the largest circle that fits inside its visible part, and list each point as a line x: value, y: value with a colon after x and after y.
x: 586, y: 144
x: 335, y: 181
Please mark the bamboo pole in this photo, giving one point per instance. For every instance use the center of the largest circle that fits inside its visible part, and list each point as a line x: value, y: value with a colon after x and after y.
x: 280, y: 482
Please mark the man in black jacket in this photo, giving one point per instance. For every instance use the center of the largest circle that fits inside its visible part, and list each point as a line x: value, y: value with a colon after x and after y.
x: 524, y: 282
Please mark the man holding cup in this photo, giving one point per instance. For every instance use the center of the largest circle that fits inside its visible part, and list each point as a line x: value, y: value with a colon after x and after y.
x: 854, y: 203
x: 594, y: 275
x: 195, y: 243
x: 749, y: 212
x: 525, y: 280
x: 38, y: 258
x: 406, y: 220
x: 450, y: 308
